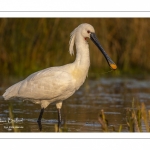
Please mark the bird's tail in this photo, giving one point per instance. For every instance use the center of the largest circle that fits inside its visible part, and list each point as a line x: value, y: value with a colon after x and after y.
x: 12, y: 91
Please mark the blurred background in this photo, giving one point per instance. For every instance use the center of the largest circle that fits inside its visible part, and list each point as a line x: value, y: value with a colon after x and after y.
x: 32, y: 44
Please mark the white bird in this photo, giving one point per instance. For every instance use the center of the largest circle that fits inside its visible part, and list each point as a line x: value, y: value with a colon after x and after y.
x: 55, y: 84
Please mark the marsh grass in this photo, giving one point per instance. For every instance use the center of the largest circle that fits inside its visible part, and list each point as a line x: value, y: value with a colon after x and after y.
x: 136, y: 116
x: 137, y: 119
x: 105, y: 125
x: 103, y: 121
x: 11, y: 116
x: 32, y: 44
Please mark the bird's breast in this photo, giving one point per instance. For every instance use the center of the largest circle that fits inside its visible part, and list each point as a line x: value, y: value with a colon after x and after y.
x: 79, y: 75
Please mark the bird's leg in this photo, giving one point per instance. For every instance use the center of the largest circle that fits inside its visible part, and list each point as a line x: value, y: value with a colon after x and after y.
x: 41, y: 114
x: 59, y: 105
x: 39, y: 119
x: 59, y: 118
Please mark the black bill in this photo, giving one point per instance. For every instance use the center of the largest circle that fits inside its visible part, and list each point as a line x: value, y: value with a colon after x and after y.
x: 97, y: 43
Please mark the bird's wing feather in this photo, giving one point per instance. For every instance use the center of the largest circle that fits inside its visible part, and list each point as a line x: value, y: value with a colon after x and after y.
x: 46, y: 84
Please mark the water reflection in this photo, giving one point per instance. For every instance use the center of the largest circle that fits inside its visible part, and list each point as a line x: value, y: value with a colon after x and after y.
x: 80, y: 112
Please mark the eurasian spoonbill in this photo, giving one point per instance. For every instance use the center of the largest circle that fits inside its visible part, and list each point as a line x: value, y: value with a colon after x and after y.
x: 55, y: 84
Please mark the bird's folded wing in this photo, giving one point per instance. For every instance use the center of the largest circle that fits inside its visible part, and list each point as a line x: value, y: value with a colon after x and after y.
x: 45, y: 84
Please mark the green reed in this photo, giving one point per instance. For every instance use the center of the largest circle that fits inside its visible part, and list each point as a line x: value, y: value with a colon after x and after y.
x: 31, y: 44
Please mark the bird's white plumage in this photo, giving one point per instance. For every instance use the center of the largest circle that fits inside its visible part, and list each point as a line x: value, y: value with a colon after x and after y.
x: 56, y: 84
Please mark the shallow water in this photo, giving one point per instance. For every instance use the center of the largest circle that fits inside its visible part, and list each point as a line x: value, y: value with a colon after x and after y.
x: 79, y: 112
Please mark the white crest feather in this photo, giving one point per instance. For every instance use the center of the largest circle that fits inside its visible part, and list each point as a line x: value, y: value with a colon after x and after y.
x: 71, y: 42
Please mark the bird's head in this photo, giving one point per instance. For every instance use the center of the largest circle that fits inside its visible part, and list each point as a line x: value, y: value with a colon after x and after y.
x: 87, y: 31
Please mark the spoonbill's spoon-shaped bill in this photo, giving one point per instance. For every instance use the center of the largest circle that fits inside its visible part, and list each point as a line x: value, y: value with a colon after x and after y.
x: 97, y: 43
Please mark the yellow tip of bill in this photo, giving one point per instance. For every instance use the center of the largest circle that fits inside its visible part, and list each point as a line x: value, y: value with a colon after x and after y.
x: 113, y: 66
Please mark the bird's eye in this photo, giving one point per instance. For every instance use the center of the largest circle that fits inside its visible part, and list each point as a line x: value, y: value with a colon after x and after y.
x: 88, y: 31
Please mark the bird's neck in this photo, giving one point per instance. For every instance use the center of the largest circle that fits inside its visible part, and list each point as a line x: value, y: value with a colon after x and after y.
x: 81, y: 63
x: 82, y: 54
